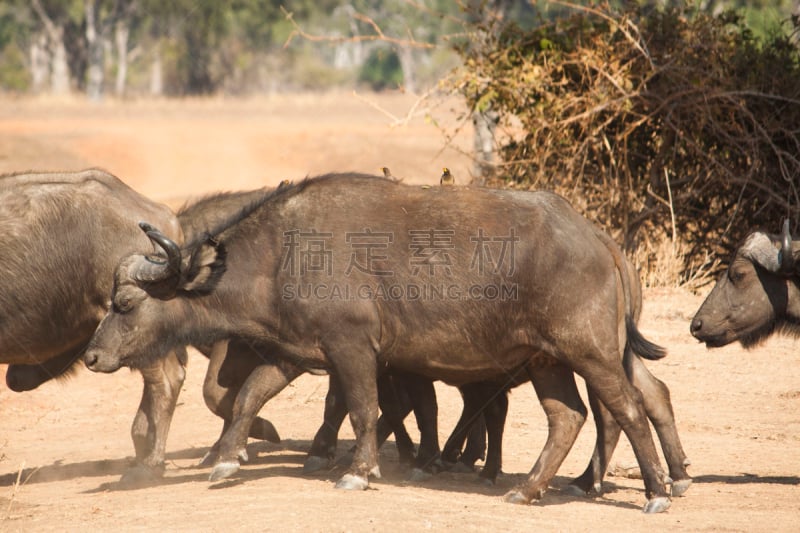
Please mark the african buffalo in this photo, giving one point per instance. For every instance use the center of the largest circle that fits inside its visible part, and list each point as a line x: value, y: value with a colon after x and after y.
x: 410, y: 391
x: 62, y: 234
x: 757, y: 295
x: 352, y: 273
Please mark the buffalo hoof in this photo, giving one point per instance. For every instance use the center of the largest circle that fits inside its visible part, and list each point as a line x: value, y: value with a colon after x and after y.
x: 657, y: 505
x: 223, y: 470
x: 315, y: 463
x: 418, y: 475
x: 263, y: 429
x: 680, y: 487
x: 516, y: 497
x: 352, y: 482
x: 574, y: 490
x: 461, y: 468
x: 141, y: 476
x: 485, y: 481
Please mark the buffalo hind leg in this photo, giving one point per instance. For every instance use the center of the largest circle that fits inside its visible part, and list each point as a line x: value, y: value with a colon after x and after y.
x: 495, y: 417
x: 566, y: 413
x: 395, y: 403
x: 613, y: 388
x: 659, y: 410
x: 656, y: 399
x: 485, y: 409
x: 608, y: 432
x: 426, y: 411
x: 162, y: 385
x: 471, y: 420
x: 323, y: 447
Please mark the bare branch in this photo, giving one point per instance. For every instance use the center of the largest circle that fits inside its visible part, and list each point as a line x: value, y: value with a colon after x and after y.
x: 379, y: 35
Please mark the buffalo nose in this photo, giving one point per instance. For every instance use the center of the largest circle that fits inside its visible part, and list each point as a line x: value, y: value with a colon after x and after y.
x: 90, y: 359
x: 696, y: 325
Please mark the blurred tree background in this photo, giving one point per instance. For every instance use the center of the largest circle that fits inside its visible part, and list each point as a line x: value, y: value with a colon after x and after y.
x: 672, y: 124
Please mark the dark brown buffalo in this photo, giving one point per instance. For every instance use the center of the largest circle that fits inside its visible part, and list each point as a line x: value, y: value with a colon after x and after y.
x: 757, y: 295
x: 62, y: 235
x: 561, y: 298
x: 412, y: 392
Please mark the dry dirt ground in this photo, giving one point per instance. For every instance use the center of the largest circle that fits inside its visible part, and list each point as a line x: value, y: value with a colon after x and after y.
x: 63, y: 447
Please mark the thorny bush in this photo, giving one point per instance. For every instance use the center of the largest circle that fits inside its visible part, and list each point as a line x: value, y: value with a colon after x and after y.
x: 662, y: 125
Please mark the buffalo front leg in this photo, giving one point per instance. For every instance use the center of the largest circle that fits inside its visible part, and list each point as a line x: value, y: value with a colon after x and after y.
x: 566, y: 413
x: 230, y: 364
x: 264, y: 382
x: 395, y: 405
x: 162, y: 385
x: 357, y: 374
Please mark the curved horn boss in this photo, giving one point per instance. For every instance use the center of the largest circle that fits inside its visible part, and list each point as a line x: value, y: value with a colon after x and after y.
x: 153, y: 269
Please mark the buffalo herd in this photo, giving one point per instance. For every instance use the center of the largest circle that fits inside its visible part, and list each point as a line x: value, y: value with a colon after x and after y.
x: 381, y: 286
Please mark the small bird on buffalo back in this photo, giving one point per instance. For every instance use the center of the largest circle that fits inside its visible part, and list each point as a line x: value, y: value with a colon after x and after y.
x: 447, y: 178
x: 388, y: 175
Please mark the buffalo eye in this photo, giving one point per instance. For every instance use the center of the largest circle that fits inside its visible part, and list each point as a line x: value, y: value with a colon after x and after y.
x: 123, y: 305
x: 737, y: 276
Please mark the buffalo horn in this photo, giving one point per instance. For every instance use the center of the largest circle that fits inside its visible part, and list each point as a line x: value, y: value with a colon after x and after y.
x: 157, y: 270
x: 786, y: 258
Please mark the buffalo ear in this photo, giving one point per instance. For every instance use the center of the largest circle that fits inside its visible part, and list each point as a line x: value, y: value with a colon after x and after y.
x: 206, y: 267
x: 762, y: 250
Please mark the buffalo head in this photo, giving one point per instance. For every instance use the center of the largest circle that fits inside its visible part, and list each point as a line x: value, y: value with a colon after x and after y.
x: 755, y: 295
x: 145, y: 317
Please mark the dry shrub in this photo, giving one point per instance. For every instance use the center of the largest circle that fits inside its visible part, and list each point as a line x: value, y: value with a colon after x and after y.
x: 650, y: 121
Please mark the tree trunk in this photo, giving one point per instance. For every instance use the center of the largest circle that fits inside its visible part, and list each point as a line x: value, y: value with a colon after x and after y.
x: 121, y: 33
x: 94, y: 78
x: 156, y: 72
x: 59, y: 68
x: 408, y: 65
x: 40, y: 63
x: 485, y: 123
x: 494, y: 13
x: 59, y: 76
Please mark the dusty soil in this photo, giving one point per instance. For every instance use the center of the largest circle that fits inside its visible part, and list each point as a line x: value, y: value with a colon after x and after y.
x: 63, y: 447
